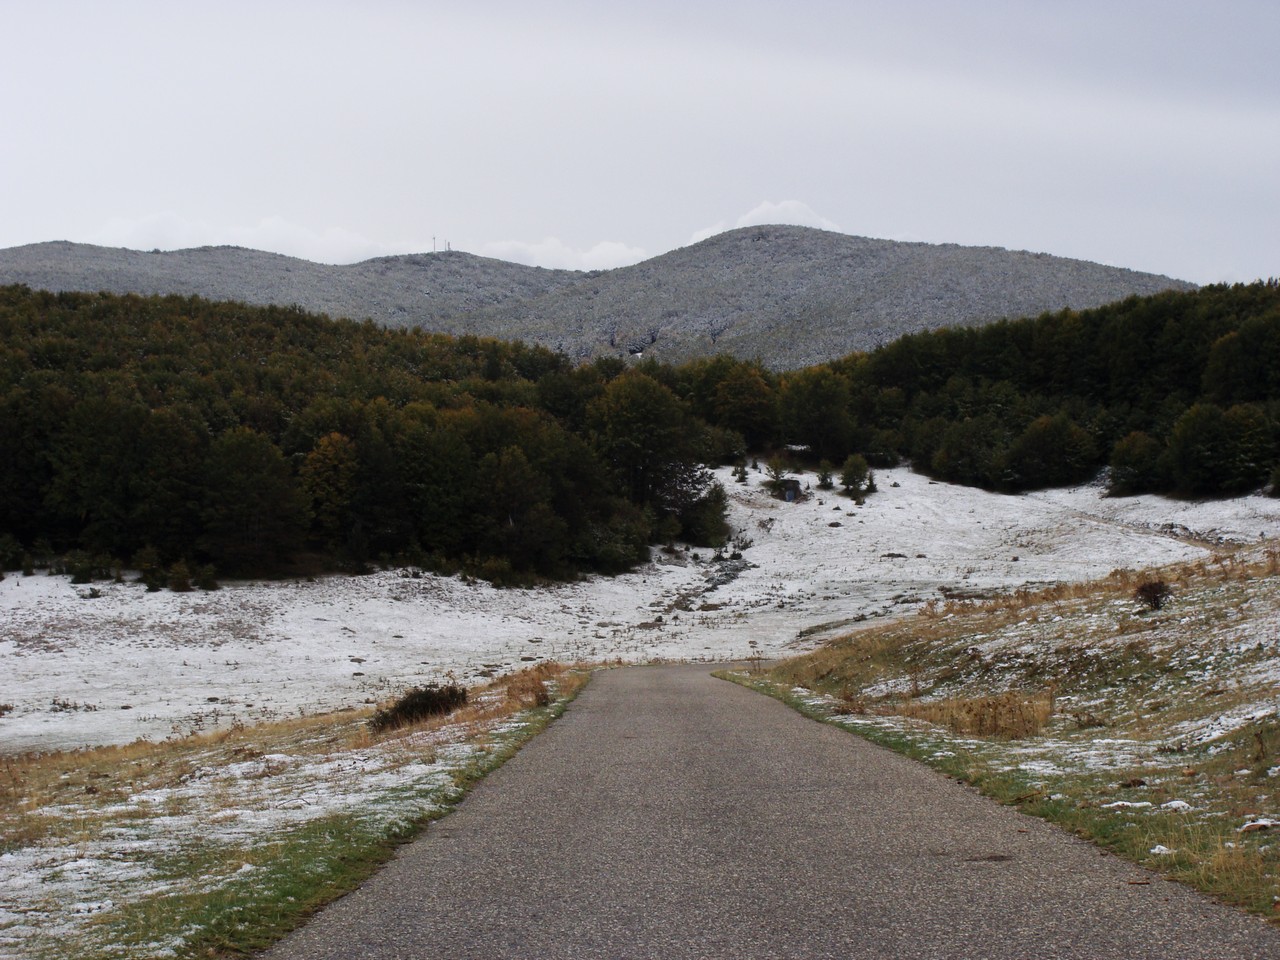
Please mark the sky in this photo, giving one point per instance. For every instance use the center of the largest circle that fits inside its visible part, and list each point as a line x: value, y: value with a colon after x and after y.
x: 590, y: 135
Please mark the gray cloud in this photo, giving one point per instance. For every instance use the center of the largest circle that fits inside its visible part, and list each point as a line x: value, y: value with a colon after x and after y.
x: 1138, y: 133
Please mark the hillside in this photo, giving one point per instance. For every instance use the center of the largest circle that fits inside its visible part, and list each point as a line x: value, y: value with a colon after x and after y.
x: 416, y: 289
x: 795, y: 296
x: 176, y: 430
x: 789, y: 295
x: 1148, y: 726
x: 278, y: 795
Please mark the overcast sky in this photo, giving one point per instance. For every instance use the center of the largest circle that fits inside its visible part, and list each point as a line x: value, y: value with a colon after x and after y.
x: 576, y: 134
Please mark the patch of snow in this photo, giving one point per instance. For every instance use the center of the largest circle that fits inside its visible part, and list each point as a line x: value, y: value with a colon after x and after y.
x: 55, y: 891
x: 1214, y: 728
x: 1260, y: 823
x: 1127, y: 805
x: 132, y: 664
x: 1241, y: 520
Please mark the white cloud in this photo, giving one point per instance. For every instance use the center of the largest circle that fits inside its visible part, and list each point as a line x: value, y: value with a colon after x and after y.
x: 794, y: 212
x: 553, y: 252
x: 163, y: 231
x: 706, y: 233
x: 786, y: 211
x: 330, y: 245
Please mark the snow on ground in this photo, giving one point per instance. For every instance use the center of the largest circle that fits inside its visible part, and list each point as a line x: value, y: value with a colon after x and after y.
x: 131, y: 664
x: 215, y: 829
x: 1240, y: 520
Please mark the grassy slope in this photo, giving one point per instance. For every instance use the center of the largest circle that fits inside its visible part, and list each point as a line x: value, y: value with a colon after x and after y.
x: 218, y: 845
x: 1152, y: 732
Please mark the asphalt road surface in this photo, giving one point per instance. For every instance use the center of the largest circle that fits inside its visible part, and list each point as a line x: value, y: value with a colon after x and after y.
x: 668, y: 815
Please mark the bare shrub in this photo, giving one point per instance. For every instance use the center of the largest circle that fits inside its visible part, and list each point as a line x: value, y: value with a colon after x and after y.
x: 1152, y: 593
x: 419, y: 704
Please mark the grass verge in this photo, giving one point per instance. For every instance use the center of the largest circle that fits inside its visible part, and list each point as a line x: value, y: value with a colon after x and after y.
x: 218, y: 845
x: 1153, y: 733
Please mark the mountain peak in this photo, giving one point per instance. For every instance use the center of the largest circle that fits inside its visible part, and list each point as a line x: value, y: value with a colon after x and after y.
x: 789, y: 295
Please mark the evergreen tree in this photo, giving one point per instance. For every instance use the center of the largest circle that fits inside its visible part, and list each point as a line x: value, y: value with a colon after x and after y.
x: 815, y: 411
x: 1198, y: 450
x: 328, y: 478
x: 643, y: 431
x: 1137, y: 465
x: 856, y: 477
x: 255, y: 516
x: 1052, y: 451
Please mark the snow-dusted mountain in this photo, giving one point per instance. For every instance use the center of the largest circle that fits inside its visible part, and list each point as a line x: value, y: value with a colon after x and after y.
x: 788, y: 295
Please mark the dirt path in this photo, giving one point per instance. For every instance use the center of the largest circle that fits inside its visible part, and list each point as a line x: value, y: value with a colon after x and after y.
x: 669, y: 814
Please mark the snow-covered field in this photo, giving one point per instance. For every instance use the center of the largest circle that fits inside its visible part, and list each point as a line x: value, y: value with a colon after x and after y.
x: 130, y: 664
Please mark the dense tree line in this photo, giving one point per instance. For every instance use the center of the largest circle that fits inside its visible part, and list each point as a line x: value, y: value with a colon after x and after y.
x: 268, y: 440
x: 1177, y: 393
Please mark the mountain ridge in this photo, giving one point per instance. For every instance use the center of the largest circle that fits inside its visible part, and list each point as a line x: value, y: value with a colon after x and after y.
x: 790, y: 296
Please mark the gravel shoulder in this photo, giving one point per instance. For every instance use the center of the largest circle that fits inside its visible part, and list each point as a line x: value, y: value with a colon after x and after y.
x: 672, y: 814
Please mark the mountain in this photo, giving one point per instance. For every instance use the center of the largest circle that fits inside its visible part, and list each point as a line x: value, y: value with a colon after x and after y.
x: 416, y: 289
x: 791, y: 296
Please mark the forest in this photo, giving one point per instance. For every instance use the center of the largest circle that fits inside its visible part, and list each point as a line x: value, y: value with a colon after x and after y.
x: 163, y: 431
x: 1177, y: 393
x: 172, y: 432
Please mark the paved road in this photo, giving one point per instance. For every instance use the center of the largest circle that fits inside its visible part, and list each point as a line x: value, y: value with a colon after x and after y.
x: 670, y: 815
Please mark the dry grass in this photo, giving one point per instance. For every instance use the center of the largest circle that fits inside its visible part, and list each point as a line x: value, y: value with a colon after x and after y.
x: 352, y: 793
x: 536, y: 686
x: 1144, y: 730
x: 1006, y: 716
x: 100, y: 776
x: 848, y: 663
x: 1222, y: 566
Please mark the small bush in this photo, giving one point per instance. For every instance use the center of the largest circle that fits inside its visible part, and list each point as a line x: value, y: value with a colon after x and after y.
x: 856, y: 477
x: 826, y: 475
x: 497, y: 570
x: 777, y: 469
x: 179, y: 577
x: 207, y: 577
x: 78, y: 564
x: 419, y: 704
x: 1152, y: 593
x: 150, y: 570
